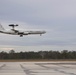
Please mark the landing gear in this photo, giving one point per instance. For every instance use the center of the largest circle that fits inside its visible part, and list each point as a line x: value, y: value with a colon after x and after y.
x: 21, y: 35
x: 40, y: 34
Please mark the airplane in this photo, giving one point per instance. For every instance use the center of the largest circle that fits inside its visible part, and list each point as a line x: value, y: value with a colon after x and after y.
x: 13, y: 31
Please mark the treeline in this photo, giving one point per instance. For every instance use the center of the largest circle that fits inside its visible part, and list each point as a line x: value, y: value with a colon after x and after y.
x: 65, y: 54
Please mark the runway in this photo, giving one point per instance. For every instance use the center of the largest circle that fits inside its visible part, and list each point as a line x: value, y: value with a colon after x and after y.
x: 38, y: 68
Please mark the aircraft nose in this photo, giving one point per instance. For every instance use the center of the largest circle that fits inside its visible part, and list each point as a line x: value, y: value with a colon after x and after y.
x: 44, y: 31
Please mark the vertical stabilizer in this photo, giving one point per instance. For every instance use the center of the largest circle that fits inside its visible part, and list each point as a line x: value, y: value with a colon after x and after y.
x: 1, y: 27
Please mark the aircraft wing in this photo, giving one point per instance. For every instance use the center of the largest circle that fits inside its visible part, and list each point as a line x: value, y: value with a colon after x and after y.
x: 16, y: 31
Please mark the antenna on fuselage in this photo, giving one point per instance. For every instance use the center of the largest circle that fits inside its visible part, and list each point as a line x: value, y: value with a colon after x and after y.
x: 13, y: 26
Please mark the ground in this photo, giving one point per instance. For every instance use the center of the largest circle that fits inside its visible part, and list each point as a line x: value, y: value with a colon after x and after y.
x: 38, y: 68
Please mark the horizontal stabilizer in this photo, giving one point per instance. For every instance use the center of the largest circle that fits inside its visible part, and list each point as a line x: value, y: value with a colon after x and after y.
x: 1, y: 27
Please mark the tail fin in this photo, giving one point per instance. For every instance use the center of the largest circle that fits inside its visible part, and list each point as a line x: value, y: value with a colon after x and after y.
x: 1, y: 28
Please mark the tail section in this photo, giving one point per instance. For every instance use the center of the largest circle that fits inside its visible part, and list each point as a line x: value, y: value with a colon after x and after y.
x: 1, y: 27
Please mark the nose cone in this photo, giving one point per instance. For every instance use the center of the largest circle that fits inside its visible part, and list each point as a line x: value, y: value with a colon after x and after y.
x: 44, y: 32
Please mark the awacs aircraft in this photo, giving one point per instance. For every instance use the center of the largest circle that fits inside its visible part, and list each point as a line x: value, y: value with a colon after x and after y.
x: 13, y: 31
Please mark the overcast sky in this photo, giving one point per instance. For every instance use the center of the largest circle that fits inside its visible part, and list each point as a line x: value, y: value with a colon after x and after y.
x: 56, y: 17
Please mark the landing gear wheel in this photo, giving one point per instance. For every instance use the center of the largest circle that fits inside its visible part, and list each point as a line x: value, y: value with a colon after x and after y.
x: 21, y: 35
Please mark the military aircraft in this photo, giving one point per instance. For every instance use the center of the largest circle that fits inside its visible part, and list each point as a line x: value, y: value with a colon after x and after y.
x: 14, y: 31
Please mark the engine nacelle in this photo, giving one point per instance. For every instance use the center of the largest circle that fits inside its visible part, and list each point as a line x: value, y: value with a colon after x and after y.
x: 20, y: 33
x: 24, y: 33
